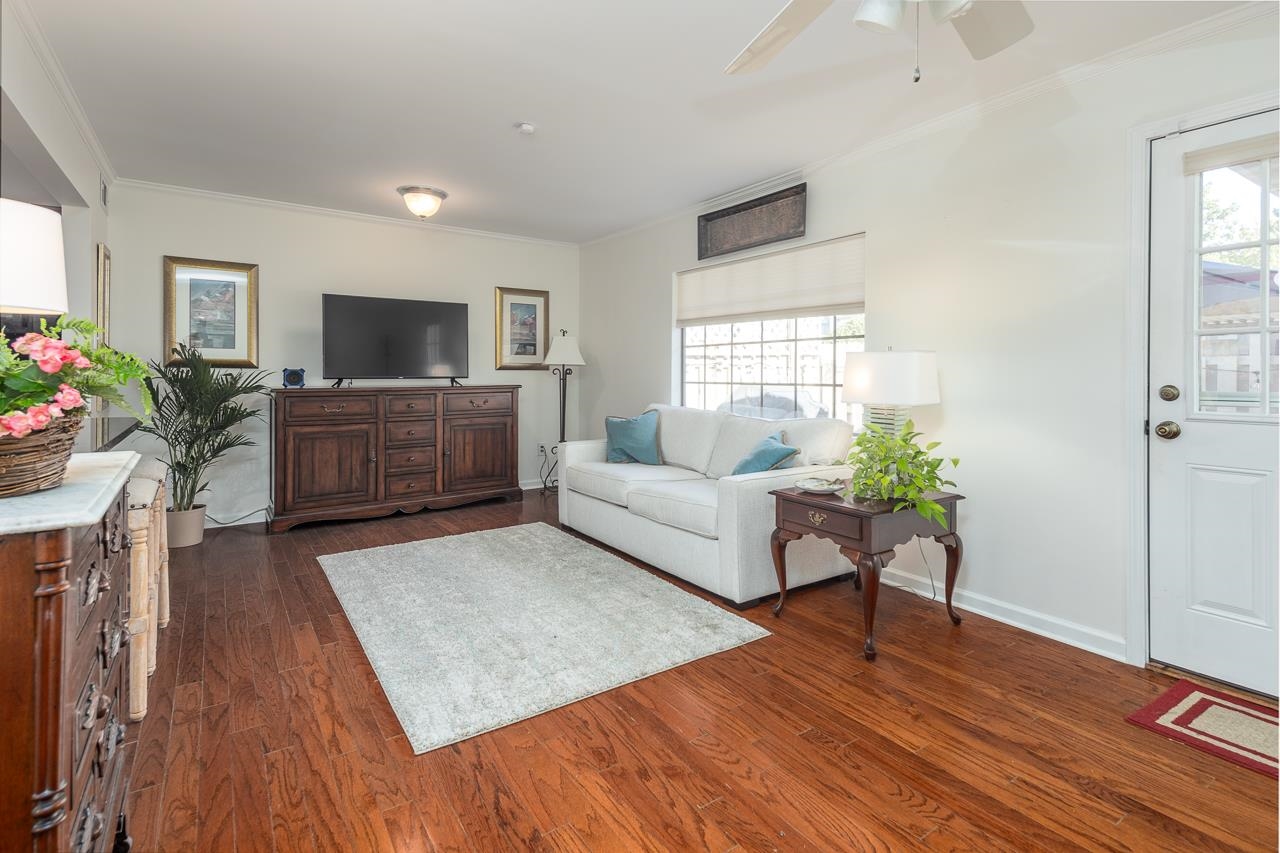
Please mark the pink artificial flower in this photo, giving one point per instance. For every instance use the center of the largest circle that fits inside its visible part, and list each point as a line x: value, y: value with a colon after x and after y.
x: 68, y: 397
x: 55, y: 410
x: 82, y: 363
x: 16, y: 424
x: 28, y: 342
x: 39, y: 416
x: 49, y: 363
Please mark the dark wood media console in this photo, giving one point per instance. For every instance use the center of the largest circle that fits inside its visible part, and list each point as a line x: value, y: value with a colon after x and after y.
x: 366, y: 452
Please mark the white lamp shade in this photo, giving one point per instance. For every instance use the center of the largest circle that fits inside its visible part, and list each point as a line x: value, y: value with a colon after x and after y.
x: 891, y: 378
x: 33, y: 270
x: 945, y: 10
x: 564, y: 350
x: 880, y: 16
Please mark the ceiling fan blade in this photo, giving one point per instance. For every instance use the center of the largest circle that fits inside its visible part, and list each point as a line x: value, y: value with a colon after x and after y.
x: 990, y: 26
x: 779, y: 32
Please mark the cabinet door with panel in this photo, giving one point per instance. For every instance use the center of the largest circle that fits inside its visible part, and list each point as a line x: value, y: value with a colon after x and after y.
x: 479, y: 453
x: 330, y: 464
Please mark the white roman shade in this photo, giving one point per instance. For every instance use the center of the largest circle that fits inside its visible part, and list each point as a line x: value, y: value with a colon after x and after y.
x: 1231, y: 154
x: 819, y: 277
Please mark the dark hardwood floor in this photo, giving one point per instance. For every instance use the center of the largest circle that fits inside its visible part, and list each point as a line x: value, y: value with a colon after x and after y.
x: 268, y: 731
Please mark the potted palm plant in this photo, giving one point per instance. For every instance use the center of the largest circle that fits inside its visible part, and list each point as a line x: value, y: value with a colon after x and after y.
x: 196, y: 411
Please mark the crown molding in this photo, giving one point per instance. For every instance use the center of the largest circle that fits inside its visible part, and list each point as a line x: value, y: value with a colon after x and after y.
x: 333, y: 212
x: 1205, y: 28
x: 30, y: 28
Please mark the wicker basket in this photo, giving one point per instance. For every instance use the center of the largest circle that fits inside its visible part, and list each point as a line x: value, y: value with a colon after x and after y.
x: 39, y: 460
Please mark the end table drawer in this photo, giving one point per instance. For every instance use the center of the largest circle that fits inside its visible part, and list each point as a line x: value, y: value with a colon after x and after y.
x: 819, y: 520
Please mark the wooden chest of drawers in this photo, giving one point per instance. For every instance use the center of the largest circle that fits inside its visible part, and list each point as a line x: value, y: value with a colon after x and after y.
x: 64, y: 623
x: 358, y: 453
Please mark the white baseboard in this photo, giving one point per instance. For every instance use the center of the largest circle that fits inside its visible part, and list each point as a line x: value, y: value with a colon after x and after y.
x: 1072, y: 633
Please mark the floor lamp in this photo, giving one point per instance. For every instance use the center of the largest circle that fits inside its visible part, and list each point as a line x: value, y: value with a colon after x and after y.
x: 564, y: 355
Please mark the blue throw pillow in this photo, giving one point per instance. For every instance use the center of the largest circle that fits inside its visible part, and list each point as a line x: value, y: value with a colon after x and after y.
x: 770, y: 453
x: 633, y: 439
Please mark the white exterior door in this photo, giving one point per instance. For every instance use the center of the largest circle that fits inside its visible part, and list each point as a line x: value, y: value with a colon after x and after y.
x: 1214, y: 394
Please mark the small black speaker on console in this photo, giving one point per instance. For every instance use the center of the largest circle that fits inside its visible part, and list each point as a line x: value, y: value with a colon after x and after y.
x: 295, y: 377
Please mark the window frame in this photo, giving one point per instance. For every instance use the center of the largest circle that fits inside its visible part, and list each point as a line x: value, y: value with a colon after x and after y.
x: 795, y: 339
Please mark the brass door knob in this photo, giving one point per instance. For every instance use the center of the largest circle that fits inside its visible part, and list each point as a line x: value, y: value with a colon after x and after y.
x: 1168, y: 430
x: 1169, y: 393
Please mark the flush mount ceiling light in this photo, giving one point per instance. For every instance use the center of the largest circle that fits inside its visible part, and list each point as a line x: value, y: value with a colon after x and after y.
x: 422, y: 201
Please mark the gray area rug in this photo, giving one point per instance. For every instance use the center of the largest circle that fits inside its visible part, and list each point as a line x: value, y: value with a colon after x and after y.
x: 472, y: 632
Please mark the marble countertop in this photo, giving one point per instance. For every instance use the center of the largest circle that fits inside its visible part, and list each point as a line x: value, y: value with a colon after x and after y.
x: 93, y: 479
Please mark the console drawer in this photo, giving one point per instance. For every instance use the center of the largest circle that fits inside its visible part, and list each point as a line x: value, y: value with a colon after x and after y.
x: 411, y: 485
x: 411, y: 432
x: 470, y: 404
x: 410, y: 405
x: 417, y: 458
x: 347, y: 407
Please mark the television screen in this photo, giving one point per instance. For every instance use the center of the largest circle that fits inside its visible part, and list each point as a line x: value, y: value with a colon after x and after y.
x: 370, y: 338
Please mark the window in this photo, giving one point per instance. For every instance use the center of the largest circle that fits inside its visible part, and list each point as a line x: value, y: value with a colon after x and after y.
x: 1236, y: 328
x: 772, y: 368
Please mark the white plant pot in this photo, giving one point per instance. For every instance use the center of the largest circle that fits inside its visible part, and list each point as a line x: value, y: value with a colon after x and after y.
x: 186, y: 528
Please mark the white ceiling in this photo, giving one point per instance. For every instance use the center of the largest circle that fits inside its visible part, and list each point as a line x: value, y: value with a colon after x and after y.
x: 336, y: 103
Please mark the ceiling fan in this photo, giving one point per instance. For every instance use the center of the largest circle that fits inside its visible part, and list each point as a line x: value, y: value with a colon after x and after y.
x: 985, y: 26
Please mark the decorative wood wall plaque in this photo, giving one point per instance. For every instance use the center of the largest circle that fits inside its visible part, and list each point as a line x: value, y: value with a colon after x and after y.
x: 767, y: 219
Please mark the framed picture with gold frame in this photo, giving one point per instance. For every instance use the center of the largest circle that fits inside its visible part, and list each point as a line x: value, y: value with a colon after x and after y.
x: 102, y: 294
x: 522, y: 321
x: 211, y: 306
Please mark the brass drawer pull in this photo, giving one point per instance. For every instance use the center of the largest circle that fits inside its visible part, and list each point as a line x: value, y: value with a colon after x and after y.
x: 413, y: 432
x: 484, y: 401
x: 411, y: 406
x: 337, y: 411
x: 817, y: 518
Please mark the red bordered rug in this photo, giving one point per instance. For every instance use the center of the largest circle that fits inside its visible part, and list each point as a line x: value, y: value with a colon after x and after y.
x: 1215, y: 722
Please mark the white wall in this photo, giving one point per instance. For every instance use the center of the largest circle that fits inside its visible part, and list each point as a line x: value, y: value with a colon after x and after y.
x: 29, y: 85
x: 999, y: 240
x: 303, y: 253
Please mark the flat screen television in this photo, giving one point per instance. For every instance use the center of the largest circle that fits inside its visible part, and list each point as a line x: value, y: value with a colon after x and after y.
x: 367, y: 337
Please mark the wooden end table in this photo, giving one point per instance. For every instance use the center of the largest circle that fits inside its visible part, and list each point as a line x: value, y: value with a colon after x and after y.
x: 866, y: 532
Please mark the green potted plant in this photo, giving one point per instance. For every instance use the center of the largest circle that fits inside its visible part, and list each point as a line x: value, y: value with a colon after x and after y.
x: 196, y: 411
x: 888, y: 466
x: 45, y: 386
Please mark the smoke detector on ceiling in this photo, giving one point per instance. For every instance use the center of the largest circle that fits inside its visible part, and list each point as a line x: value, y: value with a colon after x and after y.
x: 527, y: 128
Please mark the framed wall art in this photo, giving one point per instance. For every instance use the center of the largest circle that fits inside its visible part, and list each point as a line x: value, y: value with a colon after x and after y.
x: 213, y: 307
x: 521, y: 320
x: 102, y: 294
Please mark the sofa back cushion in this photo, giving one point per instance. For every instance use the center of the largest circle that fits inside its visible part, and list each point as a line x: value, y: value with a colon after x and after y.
x: 686, y: 437
x: 821, y: 441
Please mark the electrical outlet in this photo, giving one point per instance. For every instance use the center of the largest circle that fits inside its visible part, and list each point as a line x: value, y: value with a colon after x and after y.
x: 542, y: 449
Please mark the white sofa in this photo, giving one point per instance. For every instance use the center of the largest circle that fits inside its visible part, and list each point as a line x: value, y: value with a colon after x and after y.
x: 689, y: 516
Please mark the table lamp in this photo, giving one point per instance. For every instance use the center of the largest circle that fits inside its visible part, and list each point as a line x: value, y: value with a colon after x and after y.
x: 563, y: 353
x: 33, y: 272
x: 888, y: 384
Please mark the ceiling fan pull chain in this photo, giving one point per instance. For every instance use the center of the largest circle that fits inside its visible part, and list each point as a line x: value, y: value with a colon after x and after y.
x: 916, y: 77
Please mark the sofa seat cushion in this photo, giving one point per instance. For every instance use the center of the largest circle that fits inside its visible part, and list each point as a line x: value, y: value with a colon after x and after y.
x: 611, y: 481
x: 688, y: 505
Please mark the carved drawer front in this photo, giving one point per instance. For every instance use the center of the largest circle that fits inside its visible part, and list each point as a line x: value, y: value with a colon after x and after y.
x: 91, y: 578
x: 471, y: 404
x: 402, y: 486
x: 418, y: 458
x: 348, y: 407
x: 819, y: 520
x: 409, y: 406
x: 411, y: 432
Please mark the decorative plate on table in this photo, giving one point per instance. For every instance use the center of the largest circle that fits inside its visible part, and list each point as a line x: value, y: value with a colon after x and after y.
x: 819, y: 486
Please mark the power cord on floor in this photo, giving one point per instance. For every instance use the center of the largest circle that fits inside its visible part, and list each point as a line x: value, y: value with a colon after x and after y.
x: 932, y: 583
x: 234, y: 520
